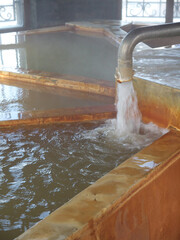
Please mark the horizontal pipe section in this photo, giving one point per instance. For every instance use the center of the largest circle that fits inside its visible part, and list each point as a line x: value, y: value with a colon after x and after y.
x: 125, y: 71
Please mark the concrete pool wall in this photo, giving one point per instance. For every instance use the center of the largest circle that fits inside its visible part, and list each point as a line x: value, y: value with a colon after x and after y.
x: 158, y: 103
x: 137, y: 200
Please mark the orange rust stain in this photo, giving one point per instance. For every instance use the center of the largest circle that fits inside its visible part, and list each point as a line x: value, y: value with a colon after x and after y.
x: 86, y: 208
x: 62, y: 116
x: 46, y: 30
x: 158, y: 103
x: 108, y: 188
x: 128, y: 171
x: 77, y: 83
x: 151, y: 212
x: 156, y: 112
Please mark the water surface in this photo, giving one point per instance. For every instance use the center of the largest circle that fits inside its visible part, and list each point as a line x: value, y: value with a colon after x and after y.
x: 44, y: 167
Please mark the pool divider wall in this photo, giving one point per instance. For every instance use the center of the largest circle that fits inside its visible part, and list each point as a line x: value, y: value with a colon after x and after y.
x: 94, y: 30
x: 61, y: 116
x: 77, y: 27
x: 158, y: 103
x: 74, y: 83
x: 47, y: 30
x: 77, y: 83
x: 137, y: 200
x: 148, y: 211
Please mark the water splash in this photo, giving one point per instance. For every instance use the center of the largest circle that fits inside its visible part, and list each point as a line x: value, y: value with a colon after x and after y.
x: 127, y: 129
x: 147, y: 134
x: 128, y: 114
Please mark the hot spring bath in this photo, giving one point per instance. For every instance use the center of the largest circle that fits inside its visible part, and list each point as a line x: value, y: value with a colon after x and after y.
x: 42, y: 168
x: 47, y: 165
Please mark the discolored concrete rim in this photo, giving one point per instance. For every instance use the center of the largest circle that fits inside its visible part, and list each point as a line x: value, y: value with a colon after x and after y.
x: 69, y: 115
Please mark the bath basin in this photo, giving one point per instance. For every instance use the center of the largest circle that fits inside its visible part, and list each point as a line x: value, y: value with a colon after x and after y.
x: 111, y: 208
x: 43, y: 167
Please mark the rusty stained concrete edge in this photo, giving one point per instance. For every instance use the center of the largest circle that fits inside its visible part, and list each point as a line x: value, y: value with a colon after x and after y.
x: 80, y: 115
x: 97, y: 227
x: 61, y: 116
x: 162, y: 110
x: 77, y: 28
x: 61, y: 28
x: 107, y: 194
x: 64, y: 81
x: 161, y: 104
x: 102, y: 31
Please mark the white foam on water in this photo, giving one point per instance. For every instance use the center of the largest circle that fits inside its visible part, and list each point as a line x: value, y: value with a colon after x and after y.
x: 147, y: 134
x: 127, y: 129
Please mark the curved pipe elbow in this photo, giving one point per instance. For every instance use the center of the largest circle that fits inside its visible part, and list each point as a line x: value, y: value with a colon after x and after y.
x: 124, y: 72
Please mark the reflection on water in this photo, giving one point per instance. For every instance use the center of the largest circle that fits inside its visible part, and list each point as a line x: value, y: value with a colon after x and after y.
x: 13, y: 52
x: 13, y: 58
x: 12, y: 38
x: 42, y: 168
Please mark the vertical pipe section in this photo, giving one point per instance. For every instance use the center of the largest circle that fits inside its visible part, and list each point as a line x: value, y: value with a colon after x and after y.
x: 119, y: 9
x: 169, y: 10
x: 124, y: 71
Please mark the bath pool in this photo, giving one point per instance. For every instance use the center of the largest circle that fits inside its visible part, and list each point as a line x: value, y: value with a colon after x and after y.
x: 42, y: 168
x: 42, y: 165
x: 94, y: 57
x: 61, y: 53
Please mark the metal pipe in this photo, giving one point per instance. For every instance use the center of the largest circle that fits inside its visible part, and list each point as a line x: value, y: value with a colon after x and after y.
x: 169, y: 11
x: 124, y: 71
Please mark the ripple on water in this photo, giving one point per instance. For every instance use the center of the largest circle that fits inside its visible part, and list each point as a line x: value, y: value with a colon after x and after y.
x: 42, y: 168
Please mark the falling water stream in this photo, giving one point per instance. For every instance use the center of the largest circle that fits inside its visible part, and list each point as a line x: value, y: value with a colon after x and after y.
x: 128, y: 114
x: 127, y: 129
